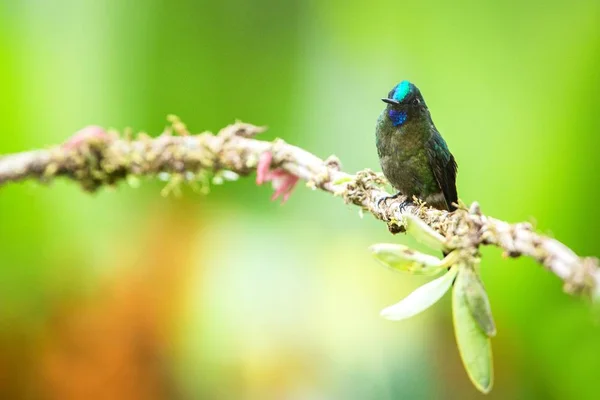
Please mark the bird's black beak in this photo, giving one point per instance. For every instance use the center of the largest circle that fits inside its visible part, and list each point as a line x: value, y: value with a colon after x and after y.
x: 390, y: 101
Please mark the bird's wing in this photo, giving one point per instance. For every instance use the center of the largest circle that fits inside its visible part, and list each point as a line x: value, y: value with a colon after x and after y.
x: 444, y: 168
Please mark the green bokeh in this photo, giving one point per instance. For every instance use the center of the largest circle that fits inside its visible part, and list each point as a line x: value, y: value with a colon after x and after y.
x: 513, y: 87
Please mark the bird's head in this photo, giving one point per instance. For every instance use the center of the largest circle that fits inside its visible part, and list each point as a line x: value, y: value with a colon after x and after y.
x: 403, y: 101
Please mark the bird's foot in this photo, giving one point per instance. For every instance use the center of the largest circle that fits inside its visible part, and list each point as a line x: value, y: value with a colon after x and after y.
x: 405, y: 204
x: 386, y: 198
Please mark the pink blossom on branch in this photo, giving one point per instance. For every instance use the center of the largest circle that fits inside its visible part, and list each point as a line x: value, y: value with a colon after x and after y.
x: 84, y: 135
x: 263, y: 168
x: 283, y: 182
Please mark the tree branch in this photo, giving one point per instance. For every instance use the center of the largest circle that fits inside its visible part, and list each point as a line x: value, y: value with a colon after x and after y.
x: 95, y: 158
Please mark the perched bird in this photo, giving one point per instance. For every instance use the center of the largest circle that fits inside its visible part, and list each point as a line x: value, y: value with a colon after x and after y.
x: 414, y: 157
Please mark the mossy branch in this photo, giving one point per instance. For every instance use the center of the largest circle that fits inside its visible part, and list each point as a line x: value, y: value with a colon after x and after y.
x: 95, y: 158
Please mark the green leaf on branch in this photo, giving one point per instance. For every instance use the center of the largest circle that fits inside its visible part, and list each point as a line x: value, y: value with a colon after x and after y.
x: 416, y: 227
x: 420, y: 299
x: 474, y: 345
x: 477, y: 300
x: 403, y: 258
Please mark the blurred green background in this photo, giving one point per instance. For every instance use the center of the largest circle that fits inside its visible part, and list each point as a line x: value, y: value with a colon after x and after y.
x: 127, y: 295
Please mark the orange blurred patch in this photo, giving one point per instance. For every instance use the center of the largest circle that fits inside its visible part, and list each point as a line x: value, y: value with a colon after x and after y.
x: 117, y: 344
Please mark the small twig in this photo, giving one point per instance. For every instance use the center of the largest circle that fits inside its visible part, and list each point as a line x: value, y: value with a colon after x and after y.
x: 98, y: 160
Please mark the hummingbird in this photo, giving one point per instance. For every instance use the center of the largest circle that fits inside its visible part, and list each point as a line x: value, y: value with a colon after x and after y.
x: 414, y: 157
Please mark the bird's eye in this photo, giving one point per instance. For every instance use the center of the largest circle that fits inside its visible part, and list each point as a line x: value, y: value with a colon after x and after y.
x: 416, y: 101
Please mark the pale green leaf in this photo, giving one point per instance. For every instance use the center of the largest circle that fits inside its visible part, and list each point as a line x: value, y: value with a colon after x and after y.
x: 473, y: 344
x: 420, y: 299
x: 403, y: 258
x: 343, y: 179
x: 477, y: 300
x: 229, y: 175
x: 133, y: 181
x: 423, y: 233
